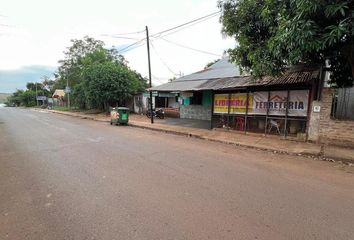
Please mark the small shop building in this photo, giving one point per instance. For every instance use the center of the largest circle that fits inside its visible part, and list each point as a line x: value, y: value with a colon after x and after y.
x: 227, y: 99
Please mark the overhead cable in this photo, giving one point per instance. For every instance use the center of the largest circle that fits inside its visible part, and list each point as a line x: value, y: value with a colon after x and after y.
x: 190, y: 48
x: 163, y: 62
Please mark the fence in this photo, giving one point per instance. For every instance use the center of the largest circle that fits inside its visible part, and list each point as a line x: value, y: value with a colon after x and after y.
x: 343, y: 104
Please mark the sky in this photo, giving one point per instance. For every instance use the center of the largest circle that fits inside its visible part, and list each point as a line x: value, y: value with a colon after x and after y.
x: 34, y: 34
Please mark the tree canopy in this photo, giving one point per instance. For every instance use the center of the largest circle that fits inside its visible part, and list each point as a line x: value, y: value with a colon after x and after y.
x: 110, y: 84
x: 271, y: 35
x: 97, y: 75
x: 27, y: 98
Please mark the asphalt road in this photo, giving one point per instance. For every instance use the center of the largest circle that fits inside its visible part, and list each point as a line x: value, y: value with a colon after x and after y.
x: 67, y: 178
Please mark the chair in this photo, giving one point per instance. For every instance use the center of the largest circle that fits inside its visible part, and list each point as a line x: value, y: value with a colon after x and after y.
x: 240, y: 123
x: 274, y: 124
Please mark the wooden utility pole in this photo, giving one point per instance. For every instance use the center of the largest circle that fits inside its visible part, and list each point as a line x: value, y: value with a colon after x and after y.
x: 36, y: 94
x: 150, y: 85
x: 67, y: 91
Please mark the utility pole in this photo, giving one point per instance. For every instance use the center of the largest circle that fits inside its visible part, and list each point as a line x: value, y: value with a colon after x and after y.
x: 36, y: 94
x: 150, y: 85
x: 68, y: 92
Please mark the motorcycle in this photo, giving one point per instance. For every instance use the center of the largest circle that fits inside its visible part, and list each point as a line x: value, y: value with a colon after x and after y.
x: 159, y: 113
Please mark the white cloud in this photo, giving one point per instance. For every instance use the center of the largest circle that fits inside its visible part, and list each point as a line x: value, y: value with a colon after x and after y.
x: 41, y: 30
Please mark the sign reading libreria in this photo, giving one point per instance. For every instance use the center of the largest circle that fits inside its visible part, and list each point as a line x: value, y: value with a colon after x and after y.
x: 258, y: 103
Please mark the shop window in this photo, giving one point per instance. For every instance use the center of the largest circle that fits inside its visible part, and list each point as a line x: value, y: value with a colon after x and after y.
x: 197, y: 98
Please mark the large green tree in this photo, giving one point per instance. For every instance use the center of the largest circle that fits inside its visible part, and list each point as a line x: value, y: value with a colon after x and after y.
x: 106, y: 84
x: 272, y: 35
x: 77, y: 58
x: 94, y: 73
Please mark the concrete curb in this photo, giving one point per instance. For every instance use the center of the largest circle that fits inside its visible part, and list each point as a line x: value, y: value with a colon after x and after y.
x: 313, y: 154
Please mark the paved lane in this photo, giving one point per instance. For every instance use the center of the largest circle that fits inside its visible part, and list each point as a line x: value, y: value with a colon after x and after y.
x: 66, y: 178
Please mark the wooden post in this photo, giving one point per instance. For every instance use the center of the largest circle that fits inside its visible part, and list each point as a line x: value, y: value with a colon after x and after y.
x: 212, y: 109
x: 266, y: 118
x: 286, y: 113
x: 246, y: 115
x: 148, y: 50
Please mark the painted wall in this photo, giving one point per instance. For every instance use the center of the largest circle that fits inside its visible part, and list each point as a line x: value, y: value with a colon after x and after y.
x: 195, y: 112
x: 200, y: 112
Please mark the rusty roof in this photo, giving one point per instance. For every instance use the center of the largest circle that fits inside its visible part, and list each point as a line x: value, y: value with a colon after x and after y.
x: 294, y: 76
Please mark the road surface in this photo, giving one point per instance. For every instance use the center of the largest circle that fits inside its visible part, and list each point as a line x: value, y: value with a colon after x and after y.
x: 67, y: 178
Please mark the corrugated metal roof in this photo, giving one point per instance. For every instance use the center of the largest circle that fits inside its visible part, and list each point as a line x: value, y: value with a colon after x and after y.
x: 289, y: 78
x: 221, y: 69
x: 214, y: 78
x: 179, y: 86
x: 59, y: 93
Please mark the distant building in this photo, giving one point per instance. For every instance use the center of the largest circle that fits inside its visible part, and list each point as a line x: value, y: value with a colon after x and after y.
x: 58, y: 97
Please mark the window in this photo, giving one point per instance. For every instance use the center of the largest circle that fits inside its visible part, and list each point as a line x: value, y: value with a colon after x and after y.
x: 197, y: 98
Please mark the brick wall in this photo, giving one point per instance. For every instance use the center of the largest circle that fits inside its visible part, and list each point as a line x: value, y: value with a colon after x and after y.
x: 323, y: 129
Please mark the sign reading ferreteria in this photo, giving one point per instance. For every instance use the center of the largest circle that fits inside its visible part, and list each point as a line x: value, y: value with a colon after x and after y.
x: 258, y: 103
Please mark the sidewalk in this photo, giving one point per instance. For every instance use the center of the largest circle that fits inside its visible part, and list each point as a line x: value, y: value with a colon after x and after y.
x: 268, y: 143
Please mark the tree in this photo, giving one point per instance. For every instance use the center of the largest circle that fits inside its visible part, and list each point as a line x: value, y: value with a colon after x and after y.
x: 272, y: 35
x: 211, y: 63
x: 27, y: 98
x: 110, y: 83
x: 98, y: 76
x: 15, y: 98
x: 82, y: 53
x: 48, y: 84
x: 70, y: 68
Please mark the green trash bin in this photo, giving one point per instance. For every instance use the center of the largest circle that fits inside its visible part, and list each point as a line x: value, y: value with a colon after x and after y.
x: 119, y: 115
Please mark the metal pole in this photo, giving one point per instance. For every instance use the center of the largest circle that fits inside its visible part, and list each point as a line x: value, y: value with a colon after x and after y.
x: 148, y: 51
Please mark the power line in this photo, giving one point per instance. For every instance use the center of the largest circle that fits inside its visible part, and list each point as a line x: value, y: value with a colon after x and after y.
x: 129, y: 33
x: 190, y: 48
x: 184, y: 24
x: 132, y: 48
x: 187, y: 24
x: 131, y: 45
x: 112, y: 36
x: 182, y: 28
x: 163, y: 62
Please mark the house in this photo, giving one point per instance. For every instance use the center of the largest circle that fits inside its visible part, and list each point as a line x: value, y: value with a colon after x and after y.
x: 186, y: 95
x: 58, y: 97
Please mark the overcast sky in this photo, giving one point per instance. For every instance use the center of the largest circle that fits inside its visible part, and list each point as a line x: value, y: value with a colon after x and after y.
x: 34, y: 34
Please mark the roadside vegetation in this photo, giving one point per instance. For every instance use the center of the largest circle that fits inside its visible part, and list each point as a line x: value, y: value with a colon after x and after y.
x: 98, y: 77
x: 273, y: 35
x: 27, y: 98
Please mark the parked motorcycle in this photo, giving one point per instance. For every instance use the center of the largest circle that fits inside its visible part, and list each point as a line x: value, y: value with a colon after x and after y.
x: 159, y: 113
